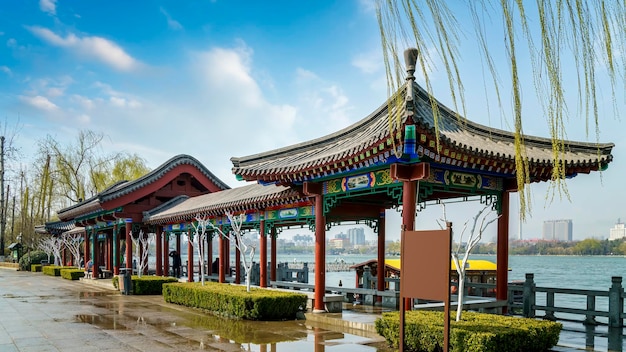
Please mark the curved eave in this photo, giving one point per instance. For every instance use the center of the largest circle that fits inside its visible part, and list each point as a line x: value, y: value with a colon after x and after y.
x: 160, y: 172
x: 80, y: 209
x: 55, y: 227
x: 368, y: 143
x: 246, y: 198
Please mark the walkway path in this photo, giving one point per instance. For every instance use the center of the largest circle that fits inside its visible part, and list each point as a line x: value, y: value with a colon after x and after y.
x: 43, y: 313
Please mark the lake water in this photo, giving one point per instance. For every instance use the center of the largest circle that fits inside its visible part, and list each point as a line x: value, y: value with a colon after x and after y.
x: 579, y: 272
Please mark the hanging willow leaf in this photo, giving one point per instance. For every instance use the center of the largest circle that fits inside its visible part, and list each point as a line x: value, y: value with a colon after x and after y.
x: 588, y: 32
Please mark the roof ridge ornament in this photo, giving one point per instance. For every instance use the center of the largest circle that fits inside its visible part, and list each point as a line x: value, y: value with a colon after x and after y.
x: 408, y: 151
x: 410, y: 58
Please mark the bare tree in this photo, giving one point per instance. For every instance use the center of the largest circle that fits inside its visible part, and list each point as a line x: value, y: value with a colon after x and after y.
x: 74, y: 242
x: 45, y: 245
x: 52, y: 244
x: 245, y: 246
x: 142, y: 247
x: 198, y: 238
x: 475, y: 235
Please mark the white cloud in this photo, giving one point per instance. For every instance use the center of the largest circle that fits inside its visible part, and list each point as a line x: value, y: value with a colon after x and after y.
x: 54, y: 92
x: 228, y: 95
x: 305, y: 75
x: 123, y: 102
x: 368, y: 63
x: 6, y: 70
x: 98, y: 48
x: 83, y: 102
x: 172, y: 23
x: 39, y: 102
x: 84, y: 119
x: 11, y: 43
x: 48, y: 6
x: 368, y: 6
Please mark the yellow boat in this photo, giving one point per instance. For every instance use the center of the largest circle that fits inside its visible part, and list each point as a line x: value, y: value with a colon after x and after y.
x: 476, y: 270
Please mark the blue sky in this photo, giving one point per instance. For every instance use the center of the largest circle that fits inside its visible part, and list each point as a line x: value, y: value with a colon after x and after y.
x: 216, y: 79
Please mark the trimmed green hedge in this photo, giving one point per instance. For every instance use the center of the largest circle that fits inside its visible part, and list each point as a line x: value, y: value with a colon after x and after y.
x: 235, y: 301
x: 54, y: 270
x: 35, y: 268
x: 476, y: 332
x: 146, y: 285
x: 72, y: 274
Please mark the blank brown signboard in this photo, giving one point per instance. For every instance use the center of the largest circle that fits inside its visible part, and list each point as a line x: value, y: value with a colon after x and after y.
x: 426, y: 264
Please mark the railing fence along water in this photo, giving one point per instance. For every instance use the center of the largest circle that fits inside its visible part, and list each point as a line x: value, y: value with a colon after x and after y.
x: 603, y: 308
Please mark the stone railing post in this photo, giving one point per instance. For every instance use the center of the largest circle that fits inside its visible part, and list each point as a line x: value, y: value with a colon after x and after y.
x: 616, y: 303
x: 305, y: 273
x: 367, y: 277
x: 529, y: 296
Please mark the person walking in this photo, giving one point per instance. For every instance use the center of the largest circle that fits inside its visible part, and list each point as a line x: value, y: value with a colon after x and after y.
x: 176, y: 262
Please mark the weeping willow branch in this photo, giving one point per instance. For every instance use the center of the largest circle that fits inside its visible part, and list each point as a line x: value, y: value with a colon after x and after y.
x: 591, y: 33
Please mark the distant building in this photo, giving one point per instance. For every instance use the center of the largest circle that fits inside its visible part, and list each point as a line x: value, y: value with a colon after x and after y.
x: 618, y: 232
x: 558, y: 230
x: 356, y: 236
x: 338, y: 243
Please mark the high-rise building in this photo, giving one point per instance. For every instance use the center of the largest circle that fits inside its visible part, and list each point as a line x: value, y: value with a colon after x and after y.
x: 356, y: 236
x: 618, y: 232
x: 557, y: 230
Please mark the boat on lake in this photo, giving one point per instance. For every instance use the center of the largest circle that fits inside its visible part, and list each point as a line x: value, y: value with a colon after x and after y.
x: 476, y: 271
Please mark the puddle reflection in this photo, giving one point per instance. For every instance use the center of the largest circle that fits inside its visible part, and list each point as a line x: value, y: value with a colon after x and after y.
x: 210, y: 332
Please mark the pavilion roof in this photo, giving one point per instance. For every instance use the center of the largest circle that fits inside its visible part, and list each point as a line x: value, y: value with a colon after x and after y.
x: 463, y: 144
x: 94, y: 204
x: 252, y: 196
x: 55, y: 227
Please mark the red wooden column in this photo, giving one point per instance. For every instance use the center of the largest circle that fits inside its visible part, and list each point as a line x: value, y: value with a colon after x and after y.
x: 409, y: 174
x: 129, y: 246
x: 502, y: 258
x: 87, y: 249
x: 209, y: 246
x: 314, y: 190
x: 222, y: 260
x: 96, y: 254
x: 109, y: 251
x: 263, y: 255
x: 63, y: 259
x: 273, y: 255
x: 166, y: 253
x: 189, y: 257
x: 381, y: 255
x: 227, y: 255
x: 159, y: 251
x: 116, y: 250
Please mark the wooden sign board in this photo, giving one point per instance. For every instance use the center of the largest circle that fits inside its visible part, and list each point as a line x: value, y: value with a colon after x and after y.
x: 425, y: 273
x: 425, y: 264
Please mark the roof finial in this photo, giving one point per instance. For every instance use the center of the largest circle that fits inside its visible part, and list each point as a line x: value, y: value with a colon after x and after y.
x: 410, y: 57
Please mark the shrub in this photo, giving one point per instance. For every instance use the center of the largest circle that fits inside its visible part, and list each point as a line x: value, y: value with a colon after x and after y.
x: 35, y: 257
x: 54, y: 270
x: 145, y: 285
x: 72, y: 274
x: 476, y: 332
x: 150, y: 285
x: 234, y: 301
x: 35, y: 268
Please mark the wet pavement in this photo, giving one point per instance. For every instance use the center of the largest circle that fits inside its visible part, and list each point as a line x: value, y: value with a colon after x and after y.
x: 44, y: 313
